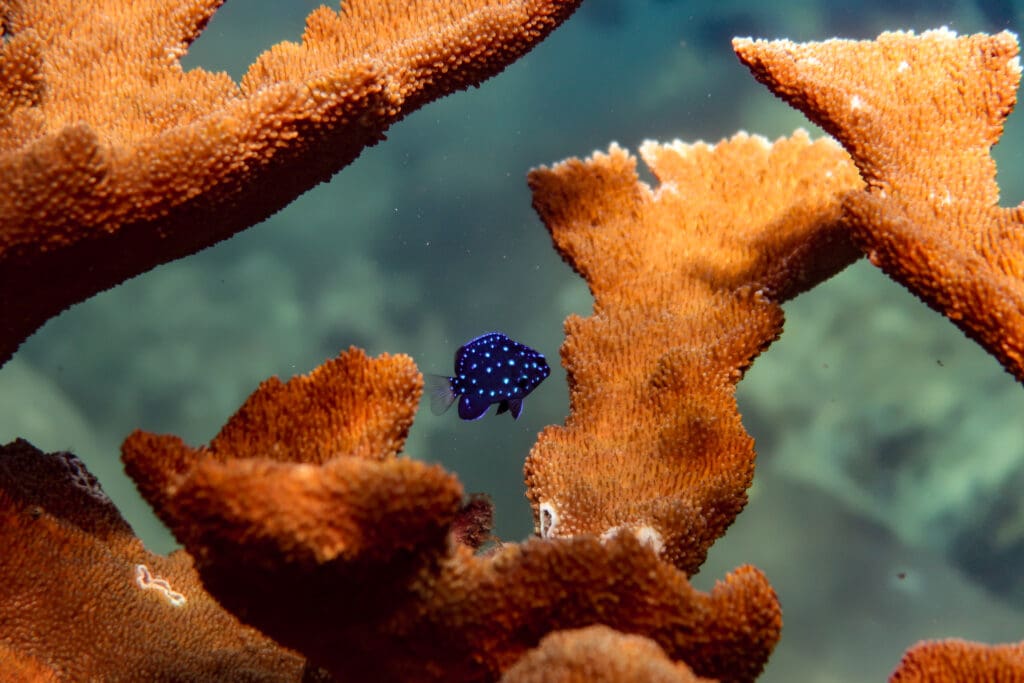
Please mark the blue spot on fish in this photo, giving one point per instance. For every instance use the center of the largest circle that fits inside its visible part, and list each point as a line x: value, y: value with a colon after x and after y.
x: 516, y: 371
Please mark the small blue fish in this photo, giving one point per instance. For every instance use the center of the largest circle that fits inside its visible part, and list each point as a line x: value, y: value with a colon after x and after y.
x: 489, y: 369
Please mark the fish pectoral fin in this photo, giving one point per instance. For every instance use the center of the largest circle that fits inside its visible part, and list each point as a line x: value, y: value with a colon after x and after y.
x: 515, y: 406
x: 473, y: 407
x: 441, y: 394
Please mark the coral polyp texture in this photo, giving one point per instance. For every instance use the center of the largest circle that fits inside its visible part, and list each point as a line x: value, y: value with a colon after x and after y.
x: 597, y: 654
x: 303, y: 522
x: 958, y: 661
x: 687, y: 279
x: 919, y: 114
x: 67, y: 553
x: 113, y: 159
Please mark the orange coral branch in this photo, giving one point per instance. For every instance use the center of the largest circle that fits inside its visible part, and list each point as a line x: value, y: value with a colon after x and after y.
x: 68, y: 553
x: 686, y: 279
x: 597, y: 654
x: 351, y: 559
x: 958, y: 661
x: 114, y: 160
x: 919, y: 115
x: 350, y: 417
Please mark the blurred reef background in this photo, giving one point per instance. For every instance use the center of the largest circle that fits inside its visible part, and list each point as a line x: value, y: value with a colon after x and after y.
x: 887, y: 504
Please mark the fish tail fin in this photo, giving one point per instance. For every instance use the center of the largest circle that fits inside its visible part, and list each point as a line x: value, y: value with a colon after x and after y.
x: 440, y: 391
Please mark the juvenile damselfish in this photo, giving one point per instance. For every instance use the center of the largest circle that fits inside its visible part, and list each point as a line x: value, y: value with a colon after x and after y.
x: 489, y: 369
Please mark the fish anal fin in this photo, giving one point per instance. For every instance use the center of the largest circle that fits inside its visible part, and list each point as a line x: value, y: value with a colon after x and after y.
x: 472, y: 408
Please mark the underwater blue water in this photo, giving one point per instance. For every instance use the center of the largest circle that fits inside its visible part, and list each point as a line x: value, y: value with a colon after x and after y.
x: 886, y: 506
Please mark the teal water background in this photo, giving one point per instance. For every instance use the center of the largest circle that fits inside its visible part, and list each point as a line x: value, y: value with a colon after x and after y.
x: 886, y: 506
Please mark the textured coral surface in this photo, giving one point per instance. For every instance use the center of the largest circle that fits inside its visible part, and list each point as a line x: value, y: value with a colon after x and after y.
x: 597, y: 654
x: 687, y: 278
x: 920, y: 114
x: 958, y: 661
x: 299, y: 517
x: 113, y: 159
x: 349, y: 558
x: 82, y: 599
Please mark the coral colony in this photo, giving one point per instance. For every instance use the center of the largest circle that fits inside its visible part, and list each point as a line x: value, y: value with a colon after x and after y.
x: 300, y: 562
